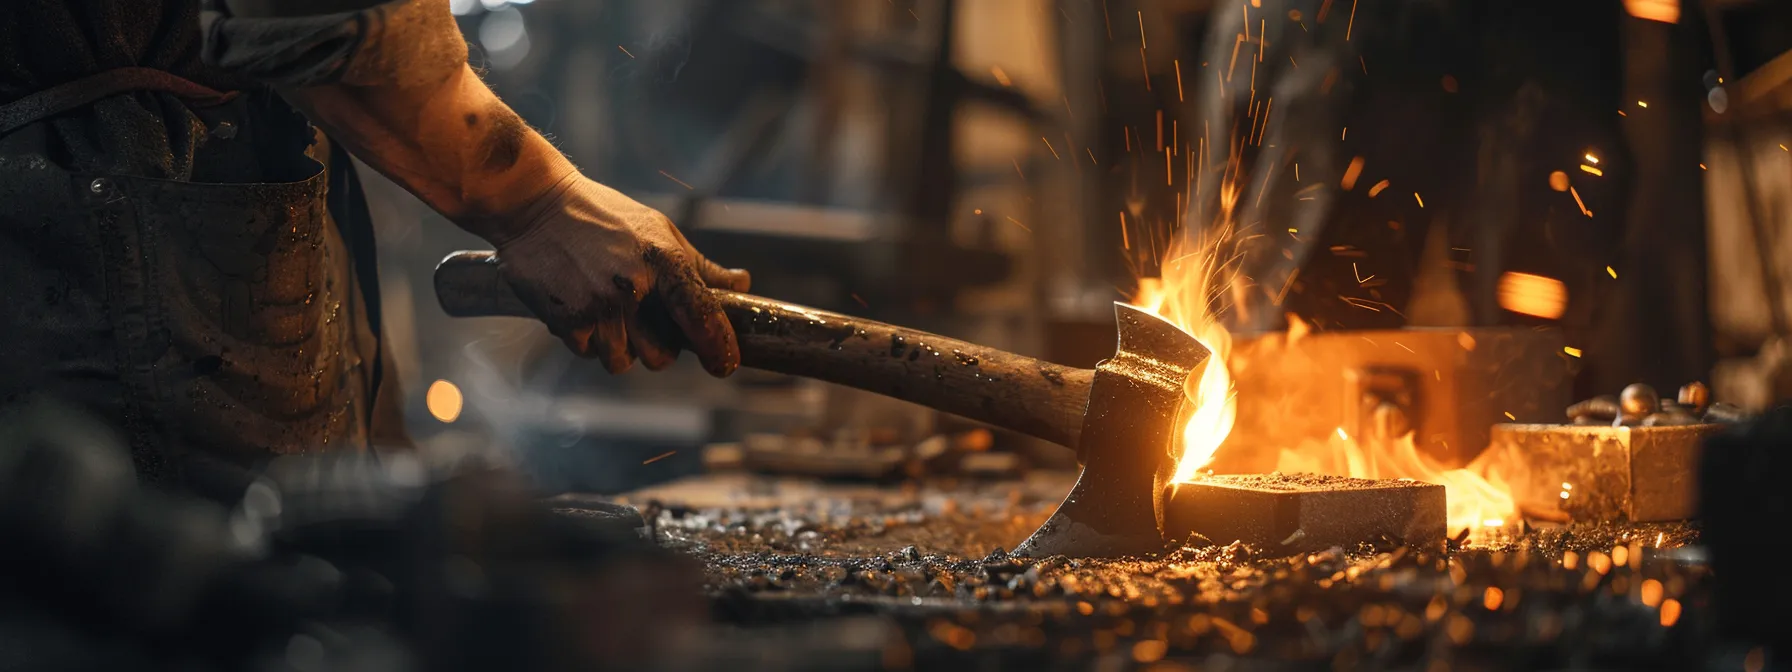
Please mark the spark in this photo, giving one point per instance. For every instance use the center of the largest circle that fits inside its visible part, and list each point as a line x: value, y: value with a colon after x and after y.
x: 1145, y: 65
x: 1376, y: 190
x: 1265, y: 130
x: 1001, y: 77
x: 1048, y: 145
x: 1420, y: 199
x: 1017, y: 170
x: 1141, y: 30
x: 1403, y: 347
x: 1022, y: 226
x: 1611, y: 272
x: 1589, y: 169
x: 679, y: 181
x: 1344, y: 134
x: 1352, y: 172
x: 625, y: 50
x: 1357, y: 274
x: 1286, y: 285
x: 1342, y: 435
x: 659, y: 457
x: 1510, y: 416
x: 1592, y: 159
x: 1254, y: 78
x: 1233, y: 65
x: 1702, y: 167
x: 1091, y: 156
x: 1642, y: 103
x: 1178, y: 64
x: 1567, y: 486
x: 1351, y: 25
x: 1572, y: 352
x: 1670, y: 612
x: 1577, y: 201
x: 1125, y: 241
x: 1366, y: 304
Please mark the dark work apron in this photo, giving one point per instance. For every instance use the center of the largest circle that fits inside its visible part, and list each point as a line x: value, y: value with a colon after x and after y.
x: 212, y: 322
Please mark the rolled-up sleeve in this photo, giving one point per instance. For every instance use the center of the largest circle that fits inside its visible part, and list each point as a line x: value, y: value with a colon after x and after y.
x: 403, y: 43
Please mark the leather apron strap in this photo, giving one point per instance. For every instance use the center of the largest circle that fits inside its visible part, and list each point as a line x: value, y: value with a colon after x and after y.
x: 80, y: 92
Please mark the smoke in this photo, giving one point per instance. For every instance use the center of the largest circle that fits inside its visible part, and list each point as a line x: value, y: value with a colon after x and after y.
x: 500, y: 393
x: 666, y: 47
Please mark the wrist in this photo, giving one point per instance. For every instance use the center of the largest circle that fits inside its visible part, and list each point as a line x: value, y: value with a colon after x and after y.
x: 511, y: 206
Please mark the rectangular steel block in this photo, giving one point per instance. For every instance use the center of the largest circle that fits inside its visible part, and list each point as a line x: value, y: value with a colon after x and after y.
x: 1306, y: 512
x: 1641, y: 474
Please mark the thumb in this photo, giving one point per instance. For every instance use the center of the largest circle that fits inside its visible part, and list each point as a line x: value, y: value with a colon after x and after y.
x: 716, y: 276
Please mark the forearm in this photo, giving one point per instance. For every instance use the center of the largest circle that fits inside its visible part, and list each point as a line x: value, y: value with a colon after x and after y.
x: 390, y: 82
x: 452, y: 143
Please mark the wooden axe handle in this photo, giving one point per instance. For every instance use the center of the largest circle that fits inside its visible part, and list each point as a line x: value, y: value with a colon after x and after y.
x: 1027, y: 395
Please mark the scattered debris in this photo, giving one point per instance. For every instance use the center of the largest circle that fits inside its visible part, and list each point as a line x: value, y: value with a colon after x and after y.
x: 1568, y: 595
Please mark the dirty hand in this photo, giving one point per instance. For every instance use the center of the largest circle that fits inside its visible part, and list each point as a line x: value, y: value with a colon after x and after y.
x: 601, y: 270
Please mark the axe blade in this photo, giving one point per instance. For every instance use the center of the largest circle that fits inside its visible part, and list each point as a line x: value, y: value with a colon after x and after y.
x: 1128, y: 438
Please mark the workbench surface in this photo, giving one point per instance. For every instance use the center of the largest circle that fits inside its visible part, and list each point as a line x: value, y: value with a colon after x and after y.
x: 930, y: 559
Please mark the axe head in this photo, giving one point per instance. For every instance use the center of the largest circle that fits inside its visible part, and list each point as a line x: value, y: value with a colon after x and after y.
x: 1127, y: 445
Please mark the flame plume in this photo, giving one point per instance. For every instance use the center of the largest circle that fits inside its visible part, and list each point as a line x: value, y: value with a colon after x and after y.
x: 1199, y: 279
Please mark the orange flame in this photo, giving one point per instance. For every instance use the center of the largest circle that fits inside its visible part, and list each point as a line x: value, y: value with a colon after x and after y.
x: 1197, y: 277
x: 1211, y: 396
x: 1476, y: 495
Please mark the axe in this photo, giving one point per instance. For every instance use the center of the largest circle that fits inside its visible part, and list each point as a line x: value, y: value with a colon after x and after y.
x: 1121, y: 417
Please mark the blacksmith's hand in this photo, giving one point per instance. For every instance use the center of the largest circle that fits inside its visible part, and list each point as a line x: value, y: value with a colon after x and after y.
x: 602, y: 270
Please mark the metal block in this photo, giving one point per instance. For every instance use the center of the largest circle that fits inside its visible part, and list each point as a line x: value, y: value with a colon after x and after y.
x: 1306, y: 512
x: 1642, y: 474
x: 1449, y: 386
